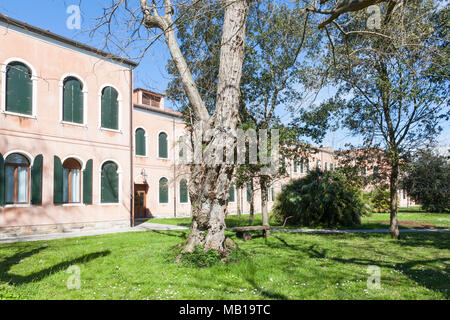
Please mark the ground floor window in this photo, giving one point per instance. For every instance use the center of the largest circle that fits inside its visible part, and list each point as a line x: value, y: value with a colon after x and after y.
x: 17, y: 176
x: 71, y: 181
x: 110, y: 183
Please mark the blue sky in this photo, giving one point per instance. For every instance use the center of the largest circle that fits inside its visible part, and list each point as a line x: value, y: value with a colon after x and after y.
x: 151, y: 72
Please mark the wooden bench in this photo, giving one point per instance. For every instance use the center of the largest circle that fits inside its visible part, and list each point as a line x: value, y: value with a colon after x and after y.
x: 244, y: 232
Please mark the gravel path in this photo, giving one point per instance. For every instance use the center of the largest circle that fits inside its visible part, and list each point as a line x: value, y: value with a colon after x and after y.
x: 157, y: 226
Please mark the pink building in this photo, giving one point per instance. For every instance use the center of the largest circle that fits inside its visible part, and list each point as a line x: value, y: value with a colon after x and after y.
x: 65, y: 123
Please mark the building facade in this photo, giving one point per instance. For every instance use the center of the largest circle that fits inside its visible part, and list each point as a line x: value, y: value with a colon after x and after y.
x: 65, y: 126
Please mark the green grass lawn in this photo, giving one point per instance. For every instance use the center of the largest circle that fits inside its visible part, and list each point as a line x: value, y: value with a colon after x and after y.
x: 140, y: 265
x: 376, y: 221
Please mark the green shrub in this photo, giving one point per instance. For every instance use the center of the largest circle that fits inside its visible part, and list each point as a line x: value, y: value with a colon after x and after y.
x: 380, y: 198
x: 200, y: 258
x: 320, y: 199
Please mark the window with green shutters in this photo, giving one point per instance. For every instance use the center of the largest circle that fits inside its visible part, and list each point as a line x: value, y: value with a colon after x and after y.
x: 19, y: 89
x: 301, y: 166
x: 140, y: 142
x: 109, y: 183
x: 272, y: 193
x: 110, y: 109
x: 163, y: 190
x: 295, y: 165
x: 232, y: 192
x: 183, y: 191
x: 73, y: 100
x: 17, y: 179
x: 162, y: 146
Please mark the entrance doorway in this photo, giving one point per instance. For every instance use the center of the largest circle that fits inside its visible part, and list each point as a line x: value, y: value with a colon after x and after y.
x: 140, y: 201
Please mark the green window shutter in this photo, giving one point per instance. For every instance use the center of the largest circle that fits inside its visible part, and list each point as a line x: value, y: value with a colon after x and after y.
x: 110, y: 108
x: 272, y: 193
x: 163, y: 191
x: 301, y: 166
x: 73, y: 101
x: 2, y: 180
x: 295, y: 165
x: 57, y: 181
x: 19, y: 89
x: 36, y: 180
x: 87, y: 183
x: 162, y: 144
x: 140, y: 142
x: 110, y: 183
x: 183, y: 191
x: 232, y: 193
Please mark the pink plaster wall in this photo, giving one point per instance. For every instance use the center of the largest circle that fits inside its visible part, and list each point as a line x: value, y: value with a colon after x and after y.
x: 46, y: 135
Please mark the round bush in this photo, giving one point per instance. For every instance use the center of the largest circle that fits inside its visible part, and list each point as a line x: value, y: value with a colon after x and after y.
x: 320, y: 199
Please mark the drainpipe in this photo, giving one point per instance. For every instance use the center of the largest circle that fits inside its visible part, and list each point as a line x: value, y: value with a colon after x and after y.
x: 131, y: 153
x: 174, y: 171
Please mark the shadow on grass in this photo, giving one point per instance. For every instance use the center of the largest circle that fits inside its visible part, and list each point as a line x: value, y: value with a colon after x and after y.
x: 178, y: 234
x: 435, y: 280
x: 419, y: 271
x: 14, y: 279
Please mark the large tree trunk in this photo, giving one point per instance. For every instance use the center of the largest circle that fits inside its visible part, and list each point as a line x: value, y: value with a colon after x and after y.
x: 210, y: 182
x: 394, y: 198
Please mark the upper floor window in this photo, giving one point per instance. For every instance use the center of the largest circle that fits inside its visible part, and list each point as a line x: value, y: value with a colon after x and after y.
x: 19, y: 89
x: 162, y: 146
x: 73, y: 100
x: 17, y: 179
x: 110, y: 108
x: 140, y: 142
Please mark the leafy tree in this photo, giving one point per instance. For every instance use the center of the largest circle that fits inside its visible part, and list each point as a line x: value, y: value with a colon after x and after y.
x: 320, y: 199
x: 427, y: 180
x: 392, y: 90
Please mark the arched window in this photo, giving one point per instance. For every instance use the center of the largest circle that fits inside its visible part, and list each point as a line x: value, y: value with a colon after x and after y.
x: 110, y: 108
x: 19, y: 89
x: 109, y: 183
x: 162, y: 146
x: 17, y: 177
x: 295, y: 165
x: 232, y: 192
x: 183, y: 191
x: 163, y: 190
x: 71, y: 181
x: 140, y: 142
x: 73, y: 100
